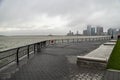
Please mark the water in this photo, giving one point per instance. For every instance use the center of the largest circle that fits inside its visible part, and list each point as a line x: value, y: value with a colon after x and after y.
x: 16, y: 41
x: 9, y: 42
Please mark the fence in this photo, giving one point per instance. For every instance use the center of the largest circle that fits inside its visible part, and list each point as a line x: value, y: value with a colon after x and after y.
x: 14, y: 55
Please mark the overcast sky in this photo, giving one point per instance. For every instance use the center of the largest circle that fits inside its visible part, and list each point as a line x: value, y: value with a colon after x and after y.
x: 56, y: 16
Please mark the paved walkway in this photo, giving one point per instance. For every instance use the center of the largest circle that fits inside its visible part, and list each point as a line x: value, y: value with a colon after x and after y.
x: 58, y: 62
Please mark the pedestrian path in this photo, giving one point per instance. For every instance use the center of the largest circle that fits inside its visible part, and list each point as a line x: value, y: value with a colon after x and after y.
x: 55, y: 62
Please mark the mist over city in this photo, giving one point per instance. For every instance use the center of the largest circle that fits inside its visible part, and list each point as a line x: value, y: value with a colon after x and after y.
x: 57, y: 17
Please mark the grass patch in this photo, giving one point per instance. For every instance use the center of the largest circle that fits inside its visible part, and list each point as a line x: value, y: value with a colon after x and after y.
x: 114, y: 60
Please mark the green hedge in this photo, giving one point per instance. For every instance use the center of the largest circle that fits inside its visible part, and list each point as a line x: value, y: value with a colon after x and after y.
x: 114, y: 60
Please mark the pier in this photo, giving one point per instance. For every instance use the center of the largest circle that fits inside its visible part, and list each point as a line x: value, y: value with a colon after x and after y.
x: 54, y: 59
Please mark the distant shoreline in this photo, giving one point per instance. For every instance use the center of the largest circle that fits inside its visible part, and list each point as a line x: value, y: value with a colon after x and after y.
x: 28, y: 35
x: 2, y: 35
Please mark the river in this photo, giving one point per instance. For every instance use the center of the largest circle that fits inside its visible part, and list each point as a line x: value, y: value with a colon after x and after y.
x: 8, y: 42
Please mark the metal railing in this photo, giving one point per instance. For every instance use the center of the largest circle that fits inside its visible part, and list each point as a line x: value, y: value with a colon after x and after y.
x: 14, y: 55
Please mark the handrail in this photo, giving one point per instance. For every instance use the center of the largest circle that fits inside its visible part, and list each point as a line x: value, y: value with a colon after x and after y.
x: 37, y: 47
x: 7, y: 56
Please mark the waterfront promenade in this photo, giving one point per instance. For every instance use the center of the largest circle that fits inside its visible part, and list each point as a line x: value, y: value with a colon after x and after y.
x: 56, y: 62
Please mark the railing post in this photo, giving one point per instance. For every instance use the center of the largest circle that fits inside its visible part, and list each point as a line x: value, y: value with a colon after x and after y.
x: 67, y: 40
x: 49, y: 42
x: 62, y: 40
x: 44, y: 43
x: 85, y: 39
x: 89, y: 39
x: 38, y: 47
x: 34, y: 49
x: 95, y: 39
x: 28, y: 51
x: 17, y: 57
x: 92, y: 39
x: 55, y: 41
x: 82, y: 39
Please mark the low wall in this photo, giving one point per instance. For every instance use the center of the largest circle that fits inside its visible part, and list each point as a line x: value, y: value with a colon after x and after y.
x: 91, y: 62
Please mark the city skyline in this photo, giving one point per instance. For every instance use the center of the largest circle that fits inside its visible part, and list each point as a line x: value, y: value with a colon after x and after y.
x: 95, y: 31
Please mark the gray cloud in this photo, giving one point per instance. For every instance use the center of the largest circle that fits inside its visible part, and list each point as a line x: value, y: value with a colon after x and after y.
x: 69, y: 14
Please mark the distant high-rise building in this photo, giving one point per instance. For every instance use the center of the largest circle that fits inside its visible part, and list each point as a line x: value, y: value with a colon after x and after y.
x: 77, y: 33
x: 99, y: 31
x: 93, y: 31
x: 110, y: 31
x: 114, y: 31
x: 85, y: 32
x: 118, y: 32
x: 70, y: 33
x: 89, y: 30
